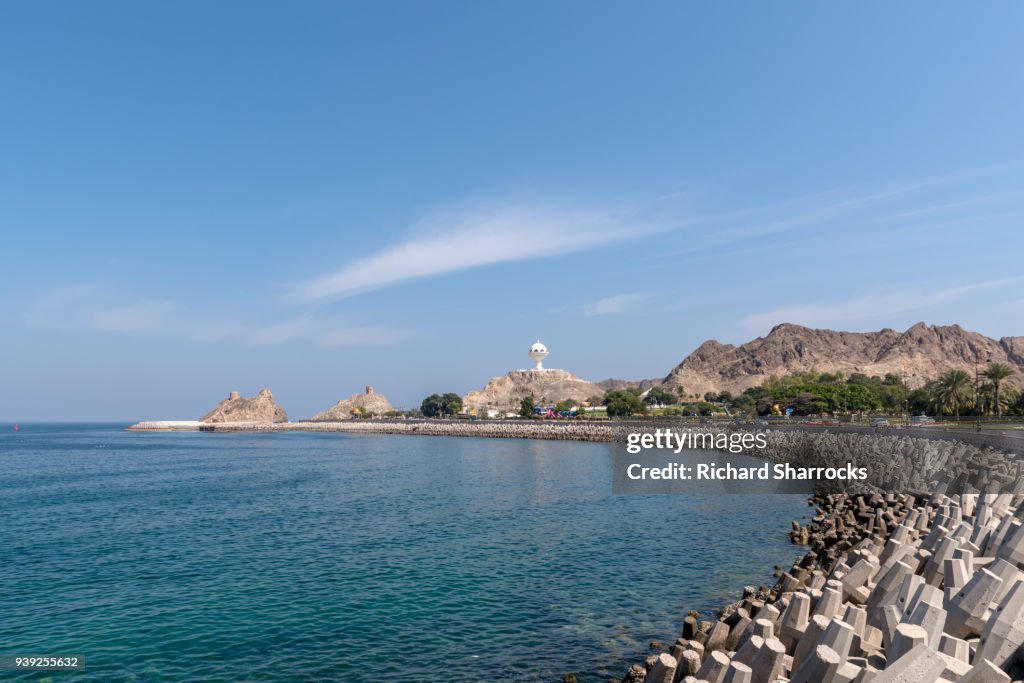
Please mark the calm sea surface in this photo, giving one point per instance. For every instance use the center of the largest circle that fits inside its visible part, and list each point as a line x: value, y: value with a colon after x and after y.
x: 334, y: 557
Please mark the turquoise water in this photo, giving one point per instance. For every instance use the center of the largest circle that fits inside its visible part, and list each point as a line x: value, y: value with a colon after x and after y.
x: 334, y: 557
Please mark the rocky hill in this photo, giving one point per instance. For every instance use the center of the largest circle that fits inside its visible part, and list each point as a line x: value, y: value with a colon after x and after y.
x: 611, y: 384
x: 919, y: 354
x: 505, y: 392
x: 370, y: 402
x: 236, y: 408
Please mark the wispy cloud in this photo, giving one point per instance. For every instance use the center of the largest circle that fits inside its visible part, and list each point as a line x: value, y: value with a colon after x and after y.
x: 481, y: 237
x: 908, y: 205
x: 614, y: 305
x: 876, y: 306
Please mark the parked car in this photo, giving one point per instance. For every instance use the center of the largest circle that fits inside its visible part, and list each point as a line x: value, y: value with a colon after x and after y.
x: 879, y: 422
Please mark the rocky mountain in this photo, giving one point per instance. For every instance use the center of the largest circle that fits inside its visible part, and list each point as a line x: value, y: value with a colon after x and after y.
x: 611, y: 384
x: 505, y: 392
x: 236, y: 408
x: 919, y: 354
x: 376, y: 404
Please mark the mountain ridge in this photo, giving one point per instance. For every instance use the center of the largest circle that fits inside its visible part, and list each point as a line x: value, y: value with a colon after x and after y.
x: 919, y: 354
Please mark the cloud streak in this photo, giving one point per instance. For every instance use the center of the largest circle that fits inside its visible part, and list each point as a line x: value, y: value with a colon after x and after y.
x: 453, y: 243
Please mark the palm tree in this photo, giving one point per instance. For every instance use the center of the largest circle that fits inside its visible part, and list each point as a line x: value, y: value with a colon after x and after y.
x: 996, y: 373
x: 952, y: 390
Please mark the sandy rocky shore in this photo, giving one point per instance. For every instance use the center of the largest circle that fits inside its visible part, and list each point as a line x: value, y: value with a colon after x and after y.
x: 914, y: 577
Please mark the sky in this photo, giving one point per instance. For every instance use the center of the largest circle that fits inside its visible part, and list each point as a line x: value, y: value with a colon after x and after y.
x: 314, y: 196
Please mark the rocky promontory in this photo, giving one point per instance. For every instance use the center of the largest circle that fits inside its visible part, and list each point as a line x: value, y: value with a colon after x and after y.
x: 548, y: 386
x: 368, y: 403
x: 237, y: 408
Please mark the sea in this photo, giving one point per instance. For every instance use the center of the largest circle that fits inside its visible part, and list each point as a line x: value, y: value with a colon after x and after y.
x: 344, y: 557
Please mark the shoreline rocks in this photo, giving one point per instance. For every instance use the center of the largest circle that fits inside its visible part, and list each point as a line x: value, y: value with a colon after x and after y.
x: 236, y: 408
x: 939, y: 597
x: 369, y: 403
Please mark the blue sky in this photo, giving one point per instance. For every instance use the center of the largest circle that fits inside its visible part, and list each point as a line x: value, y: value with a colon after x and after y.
x: 198, y: 197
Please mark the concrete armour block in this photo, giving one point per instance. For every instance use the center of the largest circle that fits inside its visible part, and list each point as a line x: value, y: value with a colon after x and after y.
x: 746, y: 653
x: 984, y: 672
x: 907, y: 589
x: 890, y: 620
x: 955, y: 647
x: 932, y: 619
x: 811, y: 639
x: 919, y: 665
x: 663, y: 671
x: 717, y: 636
x: 857, y: 617
x: 1012, y: 547
x: 820, y: 667
x: 689, y: 663
x: 968, y: 610
x: 794, y: 620
x: 1003, y: 636
x: 736, y: 633
x: 1009, y: 575
x: 954, y: 668
x: 846, y: 673
x: 924, y: 593
x: 738, y: 673
x: 956, y: 576
x: 907, y: 637
x: 829, y: 604
x: 839, y: 636
x: 770, y: 661
x: 859, y: 575
x: 714, y: 668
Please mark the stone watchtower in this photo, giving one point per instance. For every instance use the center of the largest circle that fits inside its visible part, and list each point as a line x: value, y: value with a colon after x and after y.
x: 369, y: 390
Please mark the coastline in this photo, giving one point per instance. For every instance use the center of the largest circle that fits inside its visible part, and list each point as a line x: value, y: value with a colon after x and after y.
x: 923, y: 576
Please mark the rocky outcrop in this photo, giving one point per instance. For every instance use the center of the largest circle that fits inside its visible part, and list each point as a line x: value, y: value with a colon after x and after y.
x: 612, y: 384
x: 236, y: 408
x: 368, y: 402
x: 505, y: 392
x: 920, y: 354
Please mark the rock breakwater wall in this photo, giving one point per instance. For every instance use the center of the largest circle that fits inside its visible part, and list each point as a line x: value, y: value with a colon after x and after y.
x: 895, y: 588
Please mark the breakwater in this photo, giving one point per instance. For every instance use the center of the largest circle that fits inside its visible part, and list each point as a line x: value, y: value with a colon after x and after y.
x: 896, y: 587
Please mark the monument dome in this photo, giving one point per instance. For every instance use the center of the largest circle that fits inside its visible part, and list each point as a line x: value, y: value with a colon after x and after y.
x: 538, y: 352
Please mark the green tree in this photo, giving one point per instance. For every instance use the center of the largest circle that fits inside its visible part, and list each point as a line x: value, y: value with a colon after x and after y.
x: 996, y: 373
x: 526, y: 406
x: 951, y: 391
x: 623, y: 403
x: 658, y: 396
x: 440, y: 405
x: 806, y: 403
x: 918, y: 400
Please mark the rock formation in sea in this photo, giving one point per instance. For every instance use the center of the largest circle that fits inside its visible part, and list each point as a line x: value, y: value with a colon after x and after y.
x: 237, y: 408
x: 367, y: 402
x: 918, y: 355
x: 546, y: 385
